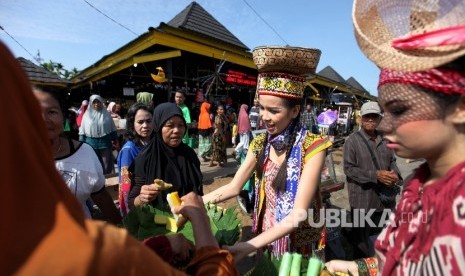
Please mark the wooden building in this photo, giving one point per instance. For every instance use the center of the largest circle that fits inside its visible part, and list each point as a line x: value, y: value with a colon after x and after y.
x: 196, y: 53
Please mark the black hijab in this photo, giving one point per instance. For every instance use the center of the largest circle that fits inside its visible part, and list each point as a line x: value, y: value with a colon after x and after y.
x: 179, y: 166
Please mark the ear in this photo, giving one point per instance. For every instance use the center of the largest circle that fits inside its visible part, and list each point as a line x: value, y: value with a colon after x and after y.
x: 459, y: 114
x: 296, y: 111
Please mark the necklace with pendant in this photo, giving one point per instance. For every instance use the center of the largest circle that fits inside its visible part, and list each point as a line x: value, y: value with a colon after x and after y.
x: 59, y: 147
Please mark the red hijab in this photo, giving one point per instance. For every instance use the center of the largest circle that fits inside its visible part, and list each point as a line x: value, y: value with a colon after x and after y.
x: 243, y: 122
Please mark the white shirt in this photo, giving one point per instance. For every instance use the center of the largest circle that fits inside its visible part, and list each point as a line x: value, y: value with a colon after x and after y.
x: 83, y: 173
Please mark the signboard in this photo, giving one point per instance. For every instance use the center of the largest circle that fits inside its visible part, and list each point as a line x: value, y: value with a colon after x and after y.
x: 240, y: 78
x: 128, y: 91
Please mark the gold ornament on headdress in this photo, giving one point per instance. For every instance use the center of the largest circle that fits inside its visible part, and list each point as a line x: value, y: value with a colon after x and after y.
x: 282, y: 70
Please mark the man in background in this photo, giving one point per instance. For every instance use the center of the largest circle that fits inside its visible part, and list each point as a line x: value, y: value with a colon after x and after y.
x: 370, y: 168
x: 308, y: 118
x: 179, y: 98
x: 254, y: 115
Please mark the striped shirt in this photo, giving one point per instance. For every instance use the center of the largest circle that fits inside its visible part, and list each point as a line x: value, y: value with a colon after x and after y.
x: 360, y: 170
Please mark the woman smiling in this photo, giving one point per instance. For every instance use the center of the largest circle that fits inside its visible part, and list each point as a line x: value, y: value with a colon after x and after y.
x: 77, y: 162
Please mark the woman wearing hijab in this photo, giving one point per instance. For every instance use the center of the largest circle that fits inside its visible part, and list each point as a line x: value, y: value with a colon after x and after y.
x: 99, y: 131
x: 45, y: 231
x: 112, y: 109
x: 205, y: 130
x: 145, y: 98
x: 166, y: 158
x: 139, y: 129
x: 244, y: 130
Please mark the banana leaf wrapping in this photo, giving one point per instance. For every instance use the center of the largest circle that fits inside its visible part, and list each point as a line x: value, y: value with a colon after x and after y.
x: 224, y: 224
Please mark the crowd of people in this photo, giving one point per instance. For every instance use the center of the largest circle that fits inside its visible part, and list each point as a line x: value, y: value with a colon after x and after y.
x: 49, y: 183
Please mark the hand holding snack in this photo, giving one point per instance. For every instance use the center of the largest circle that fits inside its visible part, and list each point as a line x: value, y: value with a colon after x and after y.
x: 192, y: 207
x: 174, y: 201
x: 149, y: 192
x: 161, y: 185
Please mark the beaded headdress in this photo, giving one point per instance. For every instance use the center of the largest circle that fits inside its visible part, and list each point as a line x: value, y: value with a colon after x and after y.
x: 282, y: 70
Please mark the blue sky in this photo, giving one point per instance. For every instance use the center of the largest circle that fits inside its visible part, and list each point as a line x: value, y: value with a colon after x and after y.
x: 73, y: 33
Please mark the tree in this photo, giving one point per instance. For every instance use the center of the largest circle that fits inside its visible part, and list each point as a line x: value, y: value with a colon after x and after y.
x: 59, y: 69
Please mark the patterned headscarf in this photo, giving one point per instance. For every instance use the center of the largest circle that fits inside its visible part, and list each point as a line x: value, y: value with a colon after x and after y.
x: 444, y: 80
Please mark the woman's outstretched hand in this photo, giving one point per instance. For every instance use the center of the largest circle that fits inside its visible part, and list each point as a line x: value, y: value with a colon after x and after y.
x: 240, y: 250
x: 342, y: 266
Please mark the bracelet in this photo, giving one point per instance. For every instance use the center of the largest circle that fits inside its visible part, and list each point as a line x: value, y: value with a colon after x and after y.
x: 367, y: 266
x: 362, y: 267
x: 140, y: 200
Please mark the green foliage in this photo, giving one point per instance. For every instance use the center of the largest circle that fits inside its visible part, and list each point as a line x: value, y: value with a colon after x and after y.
x: 140, y: 224
x: 59, y: 69
x: 224, y: 224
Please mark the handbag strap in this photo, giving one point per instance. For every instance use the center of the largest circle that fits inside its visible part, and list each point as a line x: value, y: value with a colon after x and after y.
x: 373, y: 157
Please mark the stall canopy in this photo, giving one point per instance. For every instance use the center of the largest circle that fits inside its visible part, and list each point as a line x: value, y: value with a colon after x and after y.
x: 329, y: 81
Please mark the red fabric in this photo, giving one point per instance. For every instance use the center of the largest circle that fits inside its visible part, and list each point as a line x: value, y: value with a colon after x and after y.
x: 442, y: 80
x: 427, y: 233
x: 448, y: 36
x: 81, y: 115
x: 243, y: 123
x: 160, y: 245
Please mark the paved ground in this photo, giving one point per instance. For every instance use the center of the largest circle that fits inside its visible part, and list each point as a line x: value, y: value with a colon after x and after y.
x: 212, y: 173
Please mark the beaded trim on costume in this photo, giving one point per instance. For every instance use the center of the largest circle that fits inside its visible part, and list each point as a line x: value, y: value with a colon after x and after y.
x: 281, y: 85
x: 367, y: 267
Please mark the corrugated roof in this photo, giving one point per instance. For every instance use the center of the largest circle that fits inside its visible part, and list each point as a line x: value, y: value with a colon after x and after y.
x: 329, y: 73
x: 197, y: 19
x: 39, y: 74
x: 355, y: 84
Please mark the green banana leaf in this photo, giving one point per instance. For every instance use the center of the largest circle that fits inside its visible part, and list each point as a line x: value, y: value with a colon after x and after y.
x: 224, y: 223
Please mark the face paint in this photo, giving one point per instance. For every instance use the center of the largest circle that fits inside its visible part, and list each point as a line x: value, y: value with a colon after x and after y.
x: 404, y: 103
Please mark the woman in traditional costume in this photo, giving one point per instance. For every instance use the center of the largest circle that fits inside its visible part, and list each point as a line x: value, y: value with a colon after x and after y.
x: 420, y: 49
x: 287, y: 160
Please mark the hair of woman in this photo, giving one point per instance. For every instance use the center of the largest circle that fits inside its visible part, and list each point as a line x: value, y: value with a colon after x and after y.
x: 280, y: 180
x: 131, y: 133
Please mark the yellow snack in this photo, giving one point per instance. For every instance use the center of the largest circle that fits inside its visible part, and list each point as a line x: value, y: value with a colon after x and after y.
x: 162, y: 185
x: 174, y: 201
x: 160, y: 219
x: 171, y: 225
